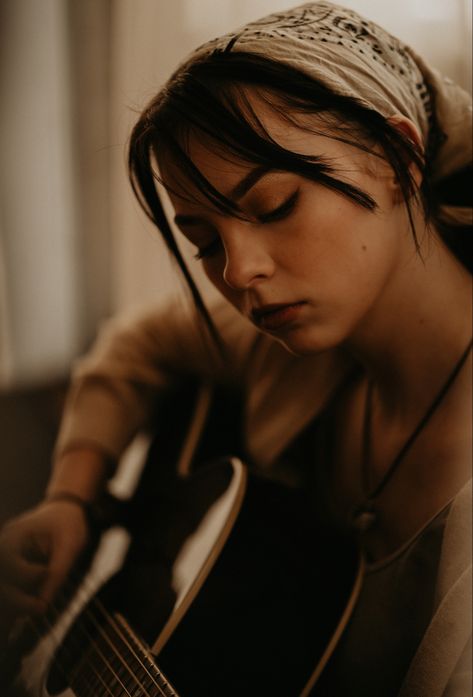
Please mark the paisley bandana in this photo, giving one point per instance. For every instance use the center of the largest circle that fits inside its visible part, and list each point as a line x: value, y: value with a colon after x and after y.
x: 357, y: 58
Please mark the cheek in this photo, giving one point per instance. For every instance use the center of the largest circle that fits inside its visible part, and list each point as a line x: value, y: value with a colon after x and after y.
x: 349, y: 257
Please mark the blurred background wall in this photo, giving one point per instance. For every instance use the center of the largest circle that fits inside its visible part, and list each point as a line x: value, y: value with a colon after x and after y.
x: 74, y: 246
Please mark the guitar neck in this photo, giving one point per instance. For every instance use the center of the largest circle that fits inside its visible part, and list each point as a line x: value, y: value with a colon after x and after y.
x: 116, y: 663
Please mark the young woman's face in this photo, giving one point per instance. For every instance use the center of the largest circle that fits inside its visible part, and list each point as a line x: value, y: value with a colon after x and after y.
x: 310, y: 264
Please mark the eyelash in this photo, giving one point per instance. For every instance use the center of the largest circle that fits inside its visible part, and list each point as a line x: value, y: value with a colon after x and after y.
x: 208, y: 251
x: 281, y: 211
x: 278, y: 213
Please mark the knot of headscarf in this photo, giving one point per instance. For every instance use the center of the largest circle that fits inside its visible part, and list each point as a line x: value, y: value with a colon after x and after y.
x: 355, y: 57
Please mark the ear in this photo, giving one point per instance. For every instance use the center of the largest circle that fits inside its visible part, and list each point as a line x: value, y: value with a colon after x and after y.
x: 409, y: 129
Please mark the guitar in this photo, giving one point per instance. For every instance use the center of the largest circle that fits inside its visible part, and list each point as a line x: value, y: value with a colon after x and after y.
x: 260, y: 612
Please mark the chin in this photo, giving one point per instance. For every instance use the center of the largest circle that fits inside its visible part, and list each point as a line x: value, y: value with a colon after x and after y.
x: 302, y: 342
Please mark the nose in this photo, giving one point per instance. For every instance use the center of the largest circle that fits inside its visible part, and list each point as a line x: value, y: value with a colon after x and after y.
x: 247, y: 260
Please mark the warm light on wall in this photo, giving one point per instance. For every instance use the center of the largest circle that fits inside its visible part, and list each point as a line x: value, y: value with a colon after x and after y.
x: 437, y: 10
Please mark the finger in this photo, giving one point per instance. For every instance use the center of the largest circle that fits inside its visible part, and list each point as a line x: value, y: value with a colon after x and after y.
x: 59, y: 569
x: 15, y: 601
x: 15, y: 543
x: 22, y: 573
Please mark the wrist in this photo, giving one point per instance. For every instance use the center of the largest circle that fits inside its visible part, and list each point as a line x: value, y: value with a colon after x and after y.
x: 82, y: 470
x: 74, y: 499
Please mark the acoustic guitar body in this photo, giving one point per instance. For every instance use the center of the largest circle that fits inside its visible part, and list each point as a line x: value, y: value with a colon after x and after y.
x: 268, y: 596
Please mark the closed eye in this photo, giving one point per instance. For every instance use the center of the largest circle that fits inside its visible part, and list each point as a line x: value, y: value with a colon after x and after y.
x: 276, y: 214
x: 209, y: 249
x: 281, y: 211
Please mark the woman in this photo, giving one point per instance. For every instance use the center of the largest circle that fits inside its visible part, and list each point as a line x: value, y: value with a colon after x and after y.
x: 303, y: 156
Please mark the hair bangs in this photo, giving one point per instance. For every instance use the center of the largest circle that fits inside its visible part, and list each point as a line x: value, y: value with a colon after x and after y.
x: 223, y: 118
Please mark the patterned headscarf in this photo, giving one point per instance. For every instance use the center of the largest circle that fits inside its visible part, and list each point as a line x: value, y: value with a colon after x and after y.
x: 355, y: 57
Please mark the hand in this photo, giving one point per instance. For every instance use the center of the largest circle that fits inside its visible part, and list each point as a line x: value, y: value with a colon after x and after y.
x: 37, y: 552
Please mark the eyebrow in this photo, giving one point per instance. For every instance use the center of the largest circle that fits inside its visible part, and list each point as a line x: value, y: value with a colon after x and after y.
x: 238, y: 191
x: 248, y: 182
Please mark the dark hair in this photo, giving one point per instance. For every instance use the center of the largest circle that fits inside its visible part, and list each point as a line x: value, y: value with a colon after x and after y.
x: 209, y: 97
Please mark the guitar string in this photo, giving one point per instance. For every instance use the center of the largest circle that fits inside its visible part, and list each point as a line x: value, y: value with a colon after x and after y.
x: 116, y: 626
x: 121, y: 659
x: 96, y: 673
x: 112, y: 623
x: 47, y: 623
x: 79, y: 624
x: 104, y: 684
x: 118, y: 631
x: 102, y: 656
x: 38, y: 628
x: 69, y: 674
x: 50, y: 626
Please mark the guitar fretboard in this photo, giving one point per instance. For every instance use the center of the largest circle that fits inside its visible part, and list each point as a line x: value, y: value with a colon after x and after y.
x: 111, y: 660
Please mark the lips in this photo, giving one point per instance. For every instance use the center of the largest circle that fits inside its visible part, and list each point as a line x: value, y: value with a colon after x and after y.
x: 276, y: 316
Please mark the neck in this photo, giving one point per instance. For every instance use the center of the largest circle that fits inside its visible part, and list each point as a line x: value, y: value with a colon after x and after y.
x: 418, y: 328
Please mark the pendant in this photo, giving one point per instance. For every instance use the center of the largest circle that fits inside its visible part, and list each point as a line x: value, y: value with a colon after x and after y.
x: 364, y: 517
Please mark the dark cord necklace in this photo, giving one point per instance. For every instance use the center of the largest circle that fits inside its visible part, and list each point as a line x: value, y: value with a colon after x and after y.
x: 364, y: 515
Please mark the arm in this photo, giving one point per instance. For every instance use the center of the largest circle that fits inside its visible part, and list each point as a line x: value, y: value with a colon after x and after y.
x: 114, y: 393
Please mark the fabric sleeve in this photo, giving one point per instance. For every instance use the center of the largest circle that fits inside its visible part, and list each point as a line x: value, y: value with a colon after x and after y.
x: 461, y: 682
x: 116, y: 388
